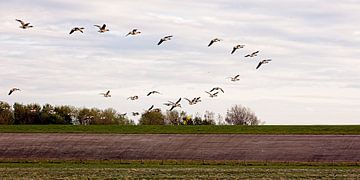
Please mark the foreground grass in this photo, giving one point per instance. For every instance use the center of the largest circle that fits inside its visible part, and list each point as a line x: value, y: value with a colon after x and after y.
x: 167, y: 170
x: 118, y: 129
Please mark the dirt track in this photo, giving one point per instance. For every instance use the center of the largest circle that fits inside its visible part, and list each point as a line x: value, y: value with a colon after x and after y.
x: 304, y: 148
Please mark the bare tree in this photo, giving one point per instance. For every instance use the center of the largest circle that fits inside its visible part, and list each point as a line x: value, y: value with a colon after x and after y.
x: 240, y: 115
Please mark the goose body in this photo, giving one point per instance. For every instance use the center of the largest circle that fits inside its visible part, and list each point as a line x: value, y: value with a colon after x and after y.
x: 265, y: 61
x: 212, y: 95
x: 133, y: 98
x: 235, y: 78
x: 80, y: 29
x: 166, y: 38
x: 153, y: 92
x: 252, y: 54
x: 107, y: 94
x: 214, y: 41
x: 237, y: 47
x: 102, y: 28
x: 23, y: 24
x: 133, y: 32
x: 217, y: 89
x: 13, y: 90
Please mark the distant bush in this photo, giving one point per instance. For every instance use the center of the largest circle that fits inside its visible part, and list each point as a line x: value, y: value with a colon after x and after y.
x: 152, y: 118
x: 239, y: 115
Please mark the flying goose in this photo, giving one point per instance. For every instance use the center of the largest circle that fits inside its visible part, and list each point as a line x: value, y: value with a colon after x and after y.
x: 213, y: 41
x: 237, y: 47
x: 13, y: 90
x: 135, y: 113
x: 80, y: 29
x: 107, y: 94
x: 23, y: 24
x: 133, y: 32
x: 265, y: 61
x: 217, y: 89
x: 166, y: 38
x: 174, y: 104
x: 102, y: 28
x: 193, y: 101
x: 153, y: 92
x: 235, y: 78
x: 133, y: 98
x: 252, y: 54
x: 212, y: 95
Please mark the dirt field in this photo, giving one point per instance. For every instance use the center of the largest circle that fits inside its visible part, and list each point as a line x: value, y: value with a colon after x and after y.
x: 291, y: 148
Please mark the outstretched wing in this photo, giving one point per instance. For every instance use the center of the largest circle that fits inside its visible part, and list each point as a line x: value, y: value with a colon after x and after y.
x: 188, y: 100
x: 211, y: 42
x: 10, y: 92
x: 234, y: 49
x: 177, y: 102
x: 172, y: 107
x: 161, y: 40
x: 72, y: 31
x: 20, y: 21
x: 260, y: 63
x: 97, y: 26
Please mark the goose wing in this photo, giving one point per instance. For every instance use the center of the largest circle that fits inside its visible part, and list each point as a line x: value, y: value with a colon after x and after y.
x: 20, y: 21
x: 211, y: 42
x: 234, y: 49
x: 260, y: 63
x: 161, y: 40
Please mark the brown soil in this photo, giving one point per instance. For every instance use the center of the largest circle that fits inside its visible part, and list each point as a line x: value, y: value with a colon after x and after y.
x: 288, y: 148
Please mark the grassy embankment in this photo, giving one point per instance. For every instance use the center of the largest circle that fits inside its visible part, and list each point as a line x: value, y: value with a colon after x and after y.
x: 115, y: 129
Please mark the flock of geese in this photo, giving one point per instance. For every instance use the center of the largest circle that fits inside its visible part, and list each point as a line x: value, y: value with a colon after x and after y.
x: 214, y: 92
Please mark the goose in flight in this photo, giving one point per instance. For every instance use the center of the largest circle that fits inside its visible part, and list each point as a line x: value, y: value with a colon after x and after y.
x: 217, y: 89
x: 212, y: 95
x: 214, y: 41
x: 133, y: 32
x: 135, y: 113
x: 133, y: 98
x: 174, y: 104
x: 107, y: 94
x: 235, y: 78
x: 166, y: 38
x: 13, y: 90
x: 80, y: 29
x: 102, y: 28
x: 265, y: 61
x: 193, y: 101
x: 237, y: 47
x: 252, y: 54
x: 23, y: 24
x: 153, y: 92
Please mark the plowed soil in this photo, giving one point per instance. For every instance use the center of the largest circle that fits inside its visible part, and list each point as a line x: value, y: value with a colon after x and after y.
x: 286, y: 148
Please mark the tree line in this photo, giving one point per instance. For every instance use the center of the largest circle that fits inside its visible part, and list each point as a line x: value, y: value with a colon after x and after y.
x: 49, y: 114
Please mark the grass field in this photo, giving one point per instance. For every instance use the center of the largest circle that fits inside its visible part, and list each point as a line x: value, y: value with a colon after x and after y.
x: 106, y: 170
x: 105, y: 129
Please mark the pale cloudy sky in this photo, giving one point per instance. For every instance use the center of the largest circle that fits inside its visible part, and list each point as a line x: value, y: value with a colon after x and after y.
x: 314, y: 77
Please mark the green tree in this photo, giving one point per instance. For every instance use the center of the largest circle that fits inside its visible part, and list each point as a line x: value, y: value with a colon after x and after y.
x: 6, y: 115
x: 152, y: 118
